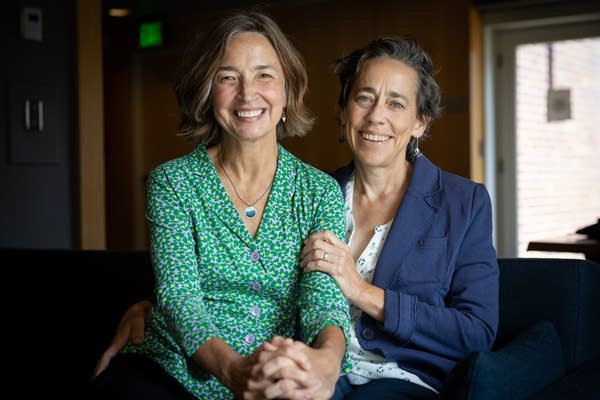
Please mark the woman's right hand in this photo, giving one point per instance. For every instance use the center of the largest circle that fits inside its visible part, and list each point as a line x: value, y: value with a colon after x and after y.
x: 289, y: 369
x: 324, y: 251
x: 284, y: 377
x: 131, y: 329
x: 234, y: 370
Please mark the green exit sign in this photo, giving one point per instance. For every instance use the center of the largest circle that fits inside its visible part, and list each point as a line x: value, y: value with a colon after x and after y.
x: 151, y: 34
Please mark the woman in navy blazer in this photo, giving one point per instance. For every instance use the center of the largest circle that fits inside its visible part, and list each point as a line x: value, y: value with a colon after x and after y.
x: 430, y: 294
x: 417, y: 263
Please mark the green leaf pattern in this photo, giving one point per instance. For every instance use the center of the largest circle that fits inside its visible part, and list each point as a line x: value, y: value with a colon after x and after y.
x: 213, y: 279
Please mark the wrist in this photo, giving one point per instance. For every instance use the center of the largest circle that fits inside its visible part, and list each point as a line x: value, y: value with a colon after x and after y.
x: 360, y: 288
x: 220, y: 360
x: 331, y: 347
x: 332, y: 360
x: 230, y: 369
x: 370, y: 299
x: 143, y: 307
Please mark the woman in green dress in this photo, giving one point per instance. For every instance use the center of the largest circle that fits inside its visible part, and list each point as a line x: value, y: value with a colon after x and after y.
x: 227, y: 224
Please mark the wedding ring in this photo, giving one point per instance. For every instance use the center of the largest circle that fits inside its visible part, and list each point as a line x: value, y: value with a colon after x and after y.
x: 324, y: 255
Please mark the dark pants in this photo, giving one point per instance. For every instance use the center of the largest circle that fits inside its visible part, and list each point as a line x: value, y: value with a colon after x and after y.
x: 385, y: 388
x: 135, y: 377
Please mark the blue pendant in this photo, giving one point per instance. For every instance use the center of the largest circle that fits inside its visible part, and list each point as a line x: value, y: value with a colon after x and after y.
x: 250, y: 212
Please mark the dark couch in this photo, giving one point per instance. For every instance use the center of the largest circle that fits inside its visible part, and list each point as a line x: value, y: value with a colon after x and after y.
x: 548, y: 342
x: 61, y: 308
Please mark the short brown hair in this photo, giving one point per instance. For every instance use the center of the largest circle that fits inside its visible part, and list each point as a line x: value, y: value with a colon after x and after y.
x: 407, y: 50
x: 200, y: 63
x: 404, y: 49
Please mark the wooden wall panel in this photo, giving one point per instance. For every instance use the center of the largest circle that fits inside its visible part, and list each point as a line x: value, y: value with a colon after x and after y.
x: 90, y: 130
x: 323, y: 31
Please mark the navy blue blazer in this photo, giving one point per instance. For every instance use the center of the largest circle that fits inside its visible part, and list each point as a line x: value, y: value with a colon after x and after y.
x: 439, y: 271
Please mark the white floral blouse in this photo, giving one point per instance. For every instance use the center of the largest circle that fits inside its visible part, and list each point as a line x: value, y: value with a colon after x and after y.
x: 367, y: 365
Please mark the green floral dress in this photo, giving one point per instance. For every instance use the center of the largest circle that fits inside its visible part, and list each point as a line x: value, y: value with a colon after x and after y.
x: 213, y: 279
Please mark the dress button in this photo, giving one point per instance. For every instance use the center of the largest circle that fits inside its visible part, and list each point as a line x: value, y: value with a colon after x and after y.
x: 368, y: 333
x: 256, y: 286
x: 250, y: 338
x: 255, y: 311
x: 254, y: 256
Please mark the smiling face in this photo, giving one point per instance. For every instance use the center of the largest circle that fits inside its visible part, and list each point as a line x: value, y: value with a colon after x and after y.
x: 249, y: 88
x: 380, y: 115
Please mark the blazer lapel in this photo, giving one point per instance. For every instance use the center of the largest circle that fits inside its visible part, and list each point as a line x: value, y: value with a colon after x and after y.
x: 414, y: 216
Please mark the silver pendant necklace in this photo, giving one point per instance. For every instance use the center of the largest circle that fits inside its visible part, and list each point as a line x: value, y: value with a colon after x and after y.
x: 250, y: 210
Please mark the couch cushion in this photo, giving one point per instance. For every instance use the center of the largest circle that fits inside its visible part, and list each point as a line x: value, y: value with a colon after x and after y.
x: 522, y: 367
x: 562, y: 291
x: 583, y: 383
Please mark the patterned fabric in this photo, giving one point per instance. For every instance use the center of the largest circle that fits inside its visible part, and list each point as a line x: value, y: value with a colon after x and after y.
x: 367, y: 365
x: 213, y: 279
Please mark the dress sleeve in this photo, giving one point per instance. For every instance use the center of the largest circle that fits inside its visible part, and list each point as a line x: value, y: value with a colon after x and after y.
x: 172, y: 248
x: 321, y: 301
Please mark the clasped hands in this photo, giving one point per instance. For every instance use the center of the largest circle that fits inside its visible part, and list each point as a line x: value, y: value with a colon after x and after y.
x: 289, y: 369
x: 281, y: 368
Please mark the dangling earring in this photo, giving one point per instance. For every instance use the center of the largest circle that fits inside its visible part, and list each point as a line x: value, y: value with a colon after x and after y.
x: 342, y: 138
x: 416, y: 151
x: 413, y: 151
x: 283, y: 117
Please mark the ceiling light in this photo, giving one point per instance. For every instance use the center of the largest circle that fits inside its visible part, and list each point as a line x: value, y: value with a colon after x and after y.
x: 118, y: 12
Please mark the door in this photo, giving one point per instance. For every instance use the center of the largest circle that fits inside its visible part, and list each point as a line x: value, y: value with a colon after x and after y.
x: 546, y: 137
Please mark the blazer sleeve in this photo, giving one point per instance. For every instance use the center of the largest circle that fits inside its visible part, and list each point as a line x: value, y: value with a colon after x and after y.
x: 466, y: 319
